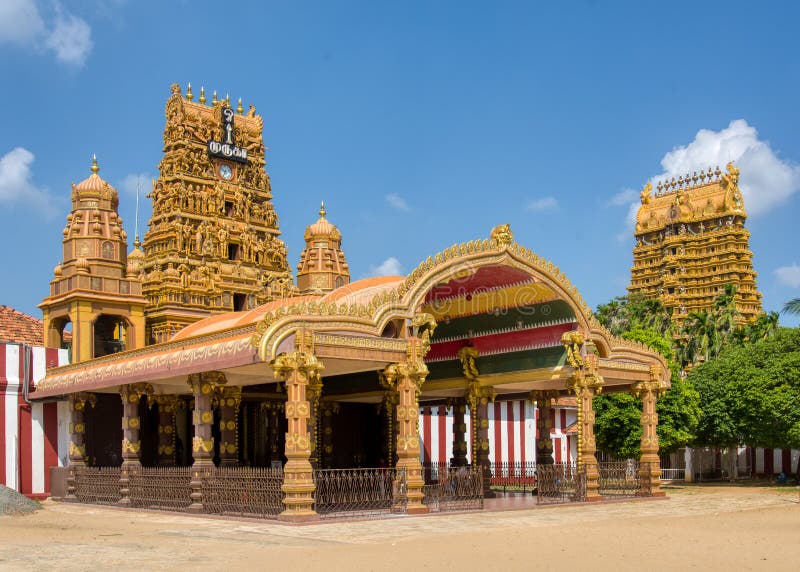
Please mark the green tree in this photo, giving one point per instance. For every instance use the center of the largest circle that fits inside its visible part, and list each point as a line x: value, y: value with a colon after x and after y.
x: 792, y: 306
x: 626, y: 313
x: 751, y: 393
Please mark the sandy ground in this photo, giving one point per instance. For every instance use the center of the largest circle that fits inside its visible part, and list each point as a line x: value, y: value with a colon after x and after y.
x: 697, y: 527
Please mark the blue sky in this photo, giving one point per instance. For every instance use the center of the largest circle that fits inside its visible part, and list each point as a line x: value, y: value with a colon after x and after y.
x: 421, y: 124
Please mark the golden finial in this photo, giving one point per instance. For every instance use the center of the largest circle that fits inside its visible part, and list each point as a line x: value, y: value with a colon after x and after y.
x: 95, y: 168
x: 189, y: 94
x: 322, y: 211
x: 227, y: 100
x: 214, y: 100
x: 239, y: 108
x: 202, y: 95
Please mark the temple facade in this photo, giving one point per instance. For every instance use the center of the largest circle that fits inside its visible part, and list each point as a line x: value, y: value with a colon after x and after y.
x: 242, y: 392
x: 691, y: 242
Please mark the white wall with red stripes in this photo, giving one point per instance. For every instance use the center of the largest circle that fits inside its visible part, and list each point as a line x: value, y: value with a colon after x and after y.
x: 512, y: 433
x: 33, y: 436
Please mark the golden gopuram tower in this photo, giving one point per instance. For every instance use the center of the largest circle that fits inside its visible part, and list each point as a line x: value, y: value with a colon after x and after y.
x: 323, y: 266
x: 691, y: 241
x: 95, y: 286
x: 213, y: 241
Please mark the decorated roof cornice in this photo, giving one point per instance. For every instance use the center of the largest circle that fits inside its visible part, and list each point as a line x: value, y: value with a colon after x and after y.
x: 405, y: 299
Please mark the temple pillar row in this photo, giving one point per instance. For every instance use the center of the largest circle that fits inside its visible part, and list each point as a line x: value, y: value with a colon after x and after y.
x: 479, y: 398
x: 229, y: 402
x: 167, y: 405
x: 544, y: 441
x: 131, y: 395
x: 649, y: 462
x: 77, y: 441
x: 204, y: 386
x: 407, y: 380
x: 297, y: 369
x: 459, y: 432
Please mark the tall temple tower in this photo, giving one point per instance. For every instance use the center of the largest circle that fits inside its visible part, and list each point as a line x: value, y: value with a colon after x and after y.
x: 93, y: 287
x: 322, y: 265
x: 691, y: 241
x: 213, y: 241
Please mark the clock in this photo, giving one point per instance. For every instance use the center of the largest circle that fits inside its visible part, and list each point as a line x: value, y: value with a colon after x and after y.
x: 226, y: 172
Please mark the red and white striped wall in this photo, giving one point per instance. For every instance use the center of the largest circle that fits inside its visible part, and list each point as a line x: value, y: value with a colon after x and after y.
x: 33, y: 436
x: 512, y: 433
x: 774, y: 461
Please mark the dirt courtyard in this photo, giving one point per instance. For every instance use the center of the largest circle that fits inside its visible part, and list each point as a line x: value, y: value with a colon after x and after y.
x: 697, y: 527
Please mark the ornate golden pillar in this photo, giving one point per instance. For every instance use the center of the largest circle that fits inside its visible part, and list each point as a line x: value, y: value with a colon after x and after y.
x: 389, y: 405
x: 229, y: 402
x: 203, y: 387
x: 297, y: 369
x: 314, y: 394
x: 544, y: 442
x: 459, y: 432
x: 478, y: 399
x: 77, y: 442
x: 407, y: 379
x: 585, y: 383
x: 649, y: 462
x: 131, y: 443
x: 167, y: 405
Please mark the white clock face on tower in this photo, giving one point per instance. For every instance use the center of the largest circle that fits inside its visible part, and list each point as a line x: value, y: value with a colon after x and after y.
x: 226, y: 172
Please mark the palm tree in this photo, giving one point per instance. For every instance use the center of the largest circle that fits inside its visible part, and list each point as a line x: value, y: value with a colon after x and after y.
x: 792, y: 307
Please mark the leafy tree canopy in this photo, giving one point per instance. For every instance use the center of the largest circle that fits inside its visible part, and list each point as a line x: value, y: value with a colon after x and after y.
x: 751, y: 393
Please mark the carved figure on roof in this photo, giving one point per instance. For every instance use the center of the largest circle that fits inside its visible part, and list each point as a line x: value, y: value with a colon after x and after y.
x: 645, y: 194
x: 467, y: 356
x: 573, y: 341
x: 502, y: 236
x: 424, y: 325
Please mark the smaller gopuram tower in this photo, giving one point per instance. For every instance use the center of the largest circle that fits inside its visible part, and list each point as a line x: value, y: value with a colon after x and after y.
x: 322, y: 265
x: 691, y: 241
x: 213, y: 241
x: 93, y: 287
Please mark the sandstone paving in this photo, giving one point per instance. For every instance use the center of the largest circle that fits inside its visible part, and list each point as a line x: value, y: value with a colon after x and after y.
x: 82, y: 537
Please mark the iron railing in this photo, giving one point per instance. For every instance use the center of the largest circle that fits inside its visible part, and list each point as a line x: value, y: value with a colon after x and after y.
x: 456, y: 488
x: 244, y: 491
x: 673, y: 474
x: 162, y: 488
x: 620, y: 479
x: 513, y: 477
x: 97, y: 485
x: 346, y: 493
x: 560, y: 483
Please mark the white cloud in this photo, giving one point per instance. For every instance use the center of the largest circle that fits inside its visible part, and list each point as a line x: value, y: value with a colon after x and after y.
x: 389, y: 267
x: 16, y: 185
x: 20, y: 22
x: 789, y: 275
x: 397, y: 202
x: 68, y: 36
x: 130, y: 182
x: 766, y: 181
x: 622, y: 198
x: 544, y: 204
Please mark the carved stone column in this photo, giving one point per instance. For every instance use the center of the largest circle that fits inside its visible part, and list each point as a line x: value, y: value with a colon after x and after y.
x: 544, y: 442
x: 389, y: 406
x: 229, y: 402
x: 459, y: 433
x: 314, y: 394
x: 407, y: 379
x: 77, y: 442
x: 585, y: 386
x: 296, y: 369
x: 649, y: 462
x: 167, y: 404
x: 478, y: 399
x: 131, y: 443
x: 203, y: 387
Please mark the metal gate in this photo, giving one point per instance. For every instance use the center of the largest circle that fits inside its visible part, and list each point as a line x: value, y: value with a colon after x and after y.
x: 560, y: 483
